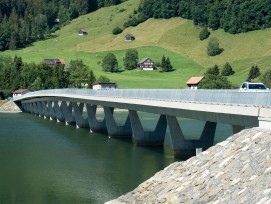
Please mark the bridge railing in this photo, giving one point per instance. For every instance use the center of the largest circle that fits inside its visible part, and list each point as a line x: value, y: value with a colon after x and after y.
x: 230, y: 97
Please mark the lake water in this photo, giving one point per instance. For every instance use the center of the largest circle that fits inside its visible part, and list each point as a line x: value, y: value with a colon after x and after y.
x: 42, y: 161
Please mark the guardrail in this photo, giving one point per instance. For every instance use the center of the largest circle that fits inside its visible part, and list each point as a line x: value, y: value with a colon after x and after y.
x: 217, y: 96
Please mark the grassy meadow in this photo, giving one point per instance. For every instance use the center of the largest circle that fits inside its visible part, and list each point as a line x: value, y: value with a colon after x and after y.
x: 176, y: 38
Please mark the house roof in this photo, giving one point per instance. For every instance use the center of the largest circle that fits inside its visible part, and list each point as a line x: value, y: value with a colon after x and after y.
x: 194, y: 80
x: 129, y: 35
x: 145, y: 59
x: 105, y: 83
x: 20, y: 91
x: 62, y: 61
x: 82, y: 31
x: 54, y: 61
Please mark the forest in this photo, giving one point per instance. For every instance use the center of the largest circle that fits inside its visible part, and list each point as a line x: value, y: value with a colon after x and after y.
x: 234, y: 16
x: 25, y: 21
x: 15, y: 74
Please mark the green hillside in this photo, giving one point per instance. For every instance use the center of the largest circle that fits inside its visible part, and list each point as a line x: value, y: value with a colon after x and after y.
x: 176, y: 38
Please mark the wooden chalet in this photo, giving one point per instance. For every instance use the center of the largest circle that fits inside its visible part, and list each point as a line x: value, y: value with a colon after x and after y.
x: 82, y: 32
x: 129, y: 37
x: 193, y: 82
x: 54, y: 61
x: 146, y: 64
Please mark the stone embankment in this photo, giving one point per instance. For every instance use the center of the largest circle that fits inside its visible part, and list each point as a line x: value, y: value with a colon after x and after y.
x: 237, y: 170
x: 9, y: 107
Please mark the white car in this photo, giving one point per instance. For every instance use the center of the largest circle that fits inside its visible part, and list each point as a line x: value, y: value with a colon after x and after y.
x: 252, y: 86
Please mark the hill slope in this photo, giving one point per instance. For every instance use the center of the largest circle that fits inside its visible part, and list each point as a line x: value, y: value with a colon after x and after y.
x: 176, y: 38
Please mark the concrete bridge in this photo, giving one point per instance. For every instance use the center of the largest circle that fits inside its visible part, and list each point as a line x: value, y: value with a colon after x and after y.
x: 240, y: 109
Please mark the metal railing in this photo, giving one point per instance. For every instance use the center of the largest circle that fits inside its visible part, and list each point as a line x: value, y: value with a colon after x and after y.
x: 227, y: 97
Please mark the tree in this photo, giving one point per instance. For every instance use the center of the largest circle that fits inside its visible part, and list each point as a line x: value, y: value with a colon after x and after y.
x: 213, y: 48
x: 110, y: 63
x: 266, y: 78
x: 130, y: 59
x: 227, y: 70
x: 214, y: 82
x: 254, y: 72
x: 91, y: 78
x: 36, y: 85
x: 80, y: 75
x: 204, y: 33
x: 103, y: 79
x: 166, y: 64
x: 213, y: 71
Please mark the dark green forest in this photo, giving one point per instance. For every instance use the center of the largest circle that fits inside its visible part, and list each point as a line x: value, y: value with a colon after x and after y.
x: 234, y: 16
x: 15, y: 74
x: 25, y: 21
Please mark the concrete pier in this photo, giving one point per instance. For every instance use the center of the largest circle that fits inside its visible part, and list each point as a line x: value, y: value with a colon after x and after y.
x: 183, y: 148
x: 143, y: 137
x: 114, y: 130
x: 94, y: 124
x: 239, y: 109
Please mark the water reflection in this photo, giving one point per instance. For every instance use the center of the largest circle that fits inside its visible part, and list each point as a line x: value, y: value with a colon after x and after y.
x: 47, y: 162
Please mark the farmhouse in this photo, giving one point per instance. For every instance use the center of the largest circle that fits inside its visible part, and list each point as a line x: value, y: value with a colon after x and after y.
x: 20, y: 92
x: 82, y: 32
x: 129, y: 37
x: 100, y: 86
x: 193, y: 82
x: 54, y: 61
x: 146, y: 64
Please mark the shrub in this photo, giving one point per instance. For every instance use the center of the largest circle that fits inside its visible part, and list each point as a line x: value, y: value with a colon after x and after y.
x: 213, y: 48
x: 116, y: 31
x: 204, y: 33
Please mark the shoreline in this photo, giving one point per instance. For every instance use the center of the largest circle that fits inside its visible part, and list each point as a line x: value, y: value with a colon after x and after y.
x: 237, y: 170
x: 9, y: 107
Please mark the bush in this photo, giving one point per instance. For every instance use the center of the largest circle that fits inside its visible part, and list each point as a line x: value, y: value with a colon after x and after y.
x: 204, y: 33
x: 116, y: 31
x: 213, y: 48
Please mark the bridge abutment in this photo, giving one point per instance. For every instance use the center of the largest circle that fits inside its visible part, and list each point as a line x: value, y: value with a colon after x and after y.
x: 265, y: 123
x: 237, y: 128
x: 142, y: 137
x: 183, y: 148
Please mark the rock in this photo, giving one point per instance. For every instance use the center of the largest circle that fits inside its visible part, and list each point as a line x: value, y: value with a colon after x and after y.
x: 234, y: 171
x: 10, y: 107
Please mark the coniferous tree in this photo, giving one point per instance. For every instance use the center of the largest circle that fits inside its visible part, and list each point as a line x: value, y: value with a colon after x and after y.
x: 213, y: 71
x: 254, y: 72
x: 213, y: 80
x: 266, y: 78
x: 227, y: 70
x: 166, y: 64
